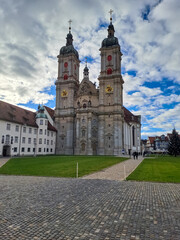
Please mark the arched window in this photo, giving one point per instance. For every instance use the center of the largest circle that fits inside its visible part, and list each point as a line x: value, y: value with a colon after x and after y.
x: 133, y: 135
x: 84, y: 105
x: 109, y: 71
x: 83, y: 146
x: 89, y: 103
x: 83, y: 133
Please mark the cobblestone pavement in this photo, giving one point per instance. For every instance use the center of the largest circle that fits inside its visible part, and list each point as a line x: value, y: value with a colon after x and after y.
x: 41, y: 208
x: 119, y: 171
x: 3, y: 161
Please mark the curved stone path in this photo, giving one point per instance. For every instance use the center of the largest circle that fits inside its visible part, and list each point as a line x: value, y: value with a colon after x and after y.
x: 117, y: 172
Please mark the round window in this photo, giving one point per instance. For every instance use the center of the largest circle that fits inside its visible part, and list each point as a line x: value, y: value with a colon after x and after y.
x: 109, y: 58
x: 65, y: 64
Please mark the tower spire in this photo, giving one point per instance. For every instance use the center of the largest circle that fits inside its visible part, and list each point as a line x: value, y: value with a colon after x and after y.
x: 86, y: 70
x: 111, y: 27
x: 110, y: 12
x: 70, y: 21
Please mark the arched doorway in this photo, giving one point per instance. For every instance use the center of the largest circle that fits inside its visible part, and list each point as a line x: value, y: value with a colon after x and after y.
x: 6, y: 151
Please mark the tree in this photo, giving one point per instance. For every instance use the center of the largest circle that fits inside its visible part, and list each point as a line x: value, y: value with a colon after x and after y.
x: 174, y: 143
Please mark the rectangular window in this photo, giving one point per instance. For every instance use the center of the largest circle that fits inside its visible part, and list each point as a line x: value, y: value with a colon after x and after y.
x: 16, y: 139
x: 15, y: 149
x: 23, y: 140
x: 40, y: 131
x: 8, y: 127
x: 44, y: 149
x: 33, y: 149
x: 29, y: 149
x: 51, y: 134
x: 24, y: 129
x: 29, y: 140
x: 30, y: 130
x: 51, y: 149
x: 51, y: 142
x: 44, y: 141
x: 47, y: 149
x: 41, y: 122
x: 40, y: 141
x: 45, y: 131
x: 35, y: 131
x: 17, y: 128
x: 22, y: 149
x: 39, y: 150
x: 48, y: 133
x: 34, y: 140
x: 47, y: 142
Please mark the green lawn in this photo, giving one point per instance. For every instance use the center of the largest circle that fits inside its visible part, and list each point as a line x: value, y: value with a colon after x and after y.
x: 160, y: 169
x: 58, y: 166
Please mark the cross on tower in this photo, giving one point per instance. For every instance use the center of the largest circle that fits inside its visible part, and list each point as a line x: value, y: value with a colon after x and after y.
x: 110, y: 12
x: 86, y: 61
x: 70, y: 21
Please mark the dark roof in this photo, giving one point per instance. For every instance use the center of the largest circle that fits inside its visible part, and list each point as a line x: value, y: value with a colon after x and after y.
x: 129, y: 117
x: 11, y: 113
x: 50, y: 111
x: 51, y: 128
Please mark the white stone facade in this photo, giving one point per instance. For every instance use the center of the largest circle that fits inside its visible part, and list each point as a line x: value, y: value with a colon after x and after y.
x: 26, y: 140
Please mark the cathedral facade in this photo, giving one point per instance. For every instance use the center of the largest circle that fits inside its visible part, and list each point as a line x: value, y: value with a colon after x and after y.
x: 90, y: 120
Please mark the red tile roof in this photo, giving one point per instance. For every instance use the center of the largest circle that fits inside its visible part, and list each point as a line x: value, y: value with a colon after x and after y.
x: 51, y: 128
x: 11, y: 113
x: 151, y: 139
x: 129, y: 117
x: 50, y: 111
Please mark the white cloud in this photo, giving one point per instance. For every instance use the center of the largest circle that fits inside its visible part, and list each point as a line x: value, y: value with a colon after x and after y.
x: 34, y: 31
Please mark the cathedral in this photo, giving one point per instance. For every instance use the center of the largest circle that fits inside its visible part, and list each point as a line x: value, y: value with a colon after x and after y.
x: 91, y: 120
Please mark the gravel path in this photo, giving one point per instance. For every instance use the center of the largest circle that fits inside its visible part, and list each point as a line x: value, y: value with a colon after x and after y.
x: 117, y: 172
x: 3, y: 161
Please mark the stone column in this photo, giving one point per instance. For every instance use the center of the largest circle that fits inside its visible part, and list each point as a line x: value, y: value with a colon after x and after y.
x: 101, y: 136
x: 89, y: 145
x: 117, y: 135
x: 77, y: 151
x: 70, y: 136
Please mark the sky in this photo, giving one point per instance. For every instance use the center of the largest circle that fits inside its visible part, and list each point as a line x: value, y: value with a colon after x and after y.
x: 33, y: 31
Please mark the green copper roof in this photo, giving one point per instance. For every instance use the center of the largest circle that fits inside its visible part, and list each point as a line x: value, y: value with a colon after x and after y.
x: 110, y: 41
x: 69, y: 49
x: 41, y: 115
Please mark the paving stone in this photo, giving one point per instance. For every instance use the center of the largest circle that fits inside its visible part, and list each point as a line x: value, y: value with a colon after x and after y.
x: 53, y: 208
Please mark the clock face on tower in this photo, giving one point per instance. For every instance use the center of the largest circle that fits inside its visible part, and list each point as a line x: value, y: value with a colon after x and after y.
x: 64, y: 93
x: 109, y: 89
